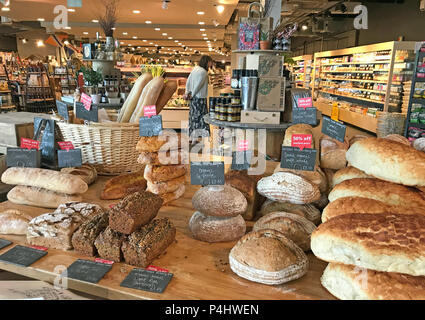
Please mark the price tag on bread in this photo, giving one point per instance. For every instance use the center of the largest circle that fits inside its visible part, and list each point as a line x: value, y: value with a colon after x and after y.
x: 304, y: 115
x: 241, y: 159
x: 70, y: 158
x: 147, y: 280
x: 30, y: 144
x: 334, y: 129
x: 87, y: 271
x: 296, y: 159
x: 150, y: 126
x: 24, y: 158
x: 207, y: 173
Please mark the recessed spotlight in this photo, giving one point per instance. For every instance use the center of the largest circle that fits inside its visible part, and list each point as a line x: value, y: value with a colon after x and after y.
x: 157, y: 29
x: 40, y: 19
x: 71, y: 10
x: 201, y: 22
x: 5, y: 9
x: 122, y: 42
x: 129, y: 44
x: 145, y: 40
x: 202, y: 29
x: 95, y: 21
x: 204, y: 34
x: 125, y: 33
x: 156, y: 45
x: 201, y: 13
x: 170, y: 38
x: 136, y: 11
x: 148, y: 22
x: 164, y: 34
x: 150, y: 42
x: 134, y: 37
x: 220, y: 9
x: 176, y: 41
x: 205, y: 38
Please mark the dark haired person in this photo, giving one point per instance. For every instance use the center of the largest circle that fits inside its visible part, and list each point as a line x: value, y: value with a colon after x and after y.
x: 197, y: 93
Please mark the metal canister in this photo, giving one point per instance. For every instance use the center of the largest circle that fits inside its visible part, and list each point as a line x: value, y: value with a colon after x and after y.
x: 249, y: 92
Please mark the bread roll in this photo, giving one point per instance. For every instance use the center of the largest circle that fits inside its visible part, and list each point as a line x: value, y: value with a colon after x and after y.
x: 38, y: 197
x: 347, y: 174
x: 168, y: 140
x: 388, y: 160
x: 171, y: 196
x: 87, y: 172
x: 155, y: 174
x: 164, y: 158
x: 359, y: 205
x: 398, y: 138
x: 316, y: 177
x: 383, y: 242
x: 166, y: 186
x: 14, y: 222
x: 47, y: 179
x: 288, y: 187
x: 294, y: 227
x: 300, y: 128
x: 387, y: 192
x: 307, y: 211
x: 268, y: 257
x: 352, y: 283
x: 332, y: 153
x: 216, y: 229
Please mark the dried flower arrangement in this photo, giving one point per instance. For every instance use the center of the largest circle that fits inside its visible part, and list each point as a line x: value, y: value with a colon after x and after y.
x: 109, y: 19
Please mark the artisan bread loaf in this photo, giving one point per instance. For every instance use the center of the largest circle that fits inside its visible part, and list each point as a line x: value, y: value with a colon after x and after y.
x: 267, y: 256
x: 322, y: 202
x: 398, y: 138
x: 14, y: 222
x: 387, y: 192
x: 87, y: 172
x: 38, y: 197
x: 117, y: 187
x: 220, y: 201
x: 300, y: 128
x: 147, y: 243
x: 216, y: 229
x: 164, y: 158
x: 347, y: 174
x: 356, y: 138
x: 108, y: 244
x: 307, y: 211
x: 294, y: 227
x: 166, y: 186
x: 352, y: 283
x: 316, y: 177
x: 171, y: 196
x: 388, y: 160
x: 166, y: 141
x: 43, y: 178
x: 359, y: 205
x: 157, y: 174
x: 329, y: 173
x: 383, y: 242
x: 332, y: 153
x: 288, y: 187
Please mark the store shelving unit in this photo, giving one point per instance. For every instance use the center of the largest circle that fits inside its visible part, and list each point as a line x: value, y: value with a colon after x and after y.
x: 65, y: 81
x: 302, y: 71
x: 366, y: 79
x: 39, y: 95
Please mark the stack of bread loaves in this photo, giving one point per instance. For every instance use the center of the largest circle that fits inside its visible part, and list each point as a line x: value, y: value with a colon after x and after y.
x: 373, y: 228
x: 219, y: 214
x: 166, y: 158
x: 42, y: 187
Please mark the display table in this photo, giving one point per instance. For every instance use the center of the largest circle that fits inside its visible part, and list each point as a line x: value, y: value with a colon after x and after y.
x: 115, y: 106
x: 200, y: 269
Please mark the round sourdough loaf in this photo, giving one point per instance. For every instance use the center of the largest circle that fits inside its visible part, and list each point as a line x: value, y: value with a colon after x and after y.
x: 223, y: 202
x: 316, y: 177
x: 288, y: 187
x: 307, y: 211
x: 268, y: 257
x: 333, y: 153
x: 347, y: 174
x: 356, y: 138
x: 216, y: 229
x: 388, y: 160
x: 294, y: 227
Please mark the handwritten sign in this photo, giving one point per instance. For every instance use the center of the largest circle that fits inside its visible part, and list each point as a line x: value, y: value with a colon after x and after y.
x: 30, y: 144
x: 305, y: 103
x: 86, y: 100
x: 154, y: 268
x: 150, y: 126
x: 69, y: 158
x: 62, y: 109
x: 207, y: 173
x: 149, y: 111
x: 334, y: 129
x: 24, y: 158
x: 296, y: 159
x: 307, y: 116
x: 88, y: 271
x: 4, y: 243
x: 89, y: 115
x: 104, y: 261
x: 22, y: 256
x: 147, y: 280
x: 301, y: 141
x: 241, y: 160
x: 66, y: 145
x: 243, y: 145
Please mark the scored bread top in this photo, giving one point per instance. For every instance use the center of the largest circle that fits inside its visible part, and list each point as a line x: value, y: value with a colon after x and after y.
x: 173, y: 140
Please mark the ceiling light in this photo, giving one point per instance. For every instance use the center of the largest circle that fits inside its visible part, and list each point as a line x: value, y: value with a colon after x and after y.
x: 148, y: 22
x: 71, y: 10
x: 24, y: 40
x: 205, y: 38
x: 66, y: 42
x: 156, y: 45
x: 157, y: 29
x: 180, y: 43
x: 129, y: 44
x: 5, y: 9
x: 95, y: 21
x: 40, y: 19
x: 201, y: 22
x: 304, y: 27
x: 204, y: 34
x: 220, y: 9
x: 68, y: 28
x: 145, y: 40
x: 40, y: 43
x: 122, y: 42
x: 201, y: 13
x: 150, y: 42
x: 176, y: 41
x: 134, y: 37
x: 136, y: 11
x: 202, y: 29
x: 164, y: 34
x: 170, y: 38
x: 125, y: 33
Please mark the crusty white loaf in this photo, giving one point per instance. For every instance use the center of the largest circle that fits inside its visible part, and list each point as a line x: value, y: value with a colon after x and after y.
x: 383, y: 242
x: 43, y: 178
x: 14, y: 222
x: 316, y: 177
x: 38, y: 197
x: 332, y: 153
x: 387, y: 192
x: 353, y: 283
x: 388, y: 160
x: 347, y: 174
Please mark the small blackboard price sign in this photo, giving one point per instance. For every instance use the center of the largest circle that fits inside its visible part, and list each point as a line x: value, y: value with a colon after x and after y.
x: 296, y: 159
x: 25, y: 158
x: 70, y: 158
x: 62, y: 109
x: 83, y: 113
x: 22, y: 256
x: 4, y: 243
x: 241, y: 160
x: 87, y: 271
x: 147, y: 280
x: 207, y: 173
x: 150, y: 126
x: 304, y: 115
x: 334, y: 129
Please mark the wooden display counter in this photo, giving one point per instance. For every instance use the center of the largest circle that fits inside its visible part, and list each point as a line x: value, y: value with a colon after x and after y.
x: 201, y: 270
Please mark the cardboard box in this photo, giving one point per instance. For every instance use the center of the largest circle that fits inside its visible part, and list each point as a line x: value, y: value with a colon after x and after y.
x: 267, y: 65
x: 258, y: 117
x: 271, y: 94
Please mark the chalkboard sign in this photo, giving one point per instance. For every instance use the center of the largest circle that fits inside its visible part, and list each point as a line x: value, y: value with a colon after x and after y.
x: 69, y: 159
x: 206, y: 173
x: 294, y: 158
x: 307, y: 116
x: 25, y: 158
x: 22, y: 256
x: 147, y: 280
x: 150, y: 126
x: 62, y: 109
x: 44, y: 130
x: 241, y: 160
x: 88, y: 271
x: 83, y: 113
x: 4, y: 243
x: 333, y: 129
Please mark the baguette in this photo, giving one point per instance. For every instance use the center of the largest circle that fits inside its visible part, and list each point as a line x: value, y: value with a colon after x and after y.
x: 167, y: 92
x: 149, y: 97
x: 47, y: 179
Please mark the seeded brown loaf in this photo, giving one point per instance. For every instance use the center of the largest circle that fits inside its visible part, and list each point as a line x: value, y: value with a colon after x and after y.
x: 224, y: 202
x: 307, y: 211
x: 147, y: 243
x: 134, y: 211
x: 168, y: 140
x: 164, y: 158
x: 171, y: 196
x: 166, y: 186
x: 388, y: 160
x: 108, y: 244
x: 347, y: 174
x: 332, y: 153
x: 117, y: 187
x: 157, y: 174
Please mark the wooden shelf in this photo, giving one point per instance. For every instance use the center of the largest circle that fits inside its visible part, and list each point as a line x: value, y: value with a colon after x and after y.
x: 360, y: 89
x: 337, y: 71
x: 356, y: 98
x: 355, y: 80
x: 354, y: 63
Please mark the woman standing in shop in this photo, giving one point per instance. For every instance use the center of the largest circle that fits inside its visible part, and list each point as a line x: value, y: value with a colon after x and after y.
x: 197, y: 93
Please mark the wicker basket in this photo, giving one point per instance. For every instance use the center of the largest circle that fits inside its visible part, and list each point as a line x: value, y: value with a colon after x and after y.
x: 390, y: 123
x: 110, y: 147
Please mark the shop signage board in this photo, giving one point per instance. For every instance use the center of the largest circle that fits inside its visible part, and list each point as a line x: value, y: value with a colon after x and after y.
x: 334, y: 129
x: 304, y: 115
x: 150, y: 126
x: 24, y: 158
x: 22, y: 256
x: 87, y: 271
x: 4, y: 243
x: 241, y: 159
x: 207, y: 173
x: 62, y: 109
x: 296, y: 159
x: 147, y: 280
x: 69, y: 158
x: 83, y: 113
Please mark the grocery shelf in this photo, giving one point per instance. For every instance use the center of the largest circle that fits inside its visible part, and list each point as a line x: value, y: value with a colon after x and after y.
x: 349, y: 63
x: 359, y: 89
x: 418, y: 125
x: 351, y: 71
x: 356, y: 98
x: 355, y: 80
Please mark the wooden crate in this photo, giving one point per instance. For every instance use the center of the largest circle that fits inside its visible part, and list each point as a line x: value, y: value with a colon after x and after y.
x: 260, y: 117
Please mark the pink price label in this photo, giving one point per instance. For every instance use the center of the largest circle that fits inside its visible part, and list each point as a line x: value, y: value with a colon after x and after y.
x: 30, y: 144
x: 103, y: 261
x: 243, y: 145
x: 421, y: 75
x: 112, y: 205
x: 305, y: 103
x: 39, y: 248
x: 86, y: 100
x: 153, y: 268
x: 66, y: 145
x: 301, y: 141
x: 149, y: 111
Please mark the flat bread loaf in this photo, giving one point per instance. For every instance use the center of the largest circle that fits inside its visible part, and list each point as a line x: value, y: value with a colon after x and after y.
x: 383, y: 242
x: 387, y: 192
x: 14, y: 222
x: 388, y: 160
x: 87, y: 172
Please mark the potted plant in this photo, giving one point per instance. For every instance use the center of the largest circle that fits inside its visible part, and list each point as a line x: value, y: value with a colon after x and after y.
x: 265, y: 43
x: 93, y: 78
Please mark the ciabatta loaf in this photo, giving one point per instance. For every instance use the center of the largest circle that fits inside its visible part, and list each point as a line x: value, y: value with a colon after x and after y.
x: 383, y: 242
